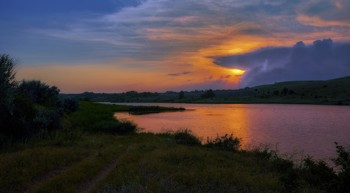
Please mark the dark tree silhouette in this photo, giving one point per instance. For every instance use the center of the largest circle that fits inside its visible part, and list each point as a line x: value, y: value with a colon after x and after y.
x: 39, y: 92
x: 7, y: 83
x: 208, y: 94
x: 181, y: 94
x: 28, y: 108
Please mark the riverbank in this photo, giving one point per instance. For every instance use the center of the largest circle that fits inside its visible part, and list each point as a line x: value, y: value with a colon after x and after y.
x: 322, y: 92
x: 90, y: 156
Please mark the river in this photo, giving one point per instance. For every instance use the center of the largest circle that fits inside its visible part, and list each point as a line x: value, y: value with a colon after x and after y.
x: 291, y: 129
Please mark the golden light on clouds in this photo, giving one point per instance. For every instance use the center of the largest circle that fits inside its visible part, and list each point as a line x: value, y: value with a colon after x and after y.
x: 149, y: 48
x: 237, y: 72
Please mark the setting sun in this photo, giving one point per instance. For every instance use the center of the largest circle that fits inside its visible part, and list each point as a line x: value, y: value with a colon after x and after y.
x: 237, y: 71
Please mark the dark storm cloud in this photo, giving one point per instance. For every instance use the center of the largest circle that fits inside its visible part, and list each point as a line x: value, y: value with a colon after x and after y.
x: 321, y: 60
x: 336, y: 10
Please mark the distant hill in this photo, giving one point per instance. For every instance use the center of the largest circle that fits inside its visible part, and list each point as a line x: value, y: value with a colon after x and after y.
x: 335, y: 91
x: 332, y: 92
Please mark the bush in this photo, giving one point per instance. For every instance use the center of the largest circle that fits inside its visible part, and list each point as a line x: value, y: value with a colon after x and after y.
x: 28, y: 108
x: 343, y: 163
x: 70, y: 105
x: 126, y: 127
x: 186, y: 137
x: 226, y: 142
x: 39, y: 92
x: 47, y: 119
x: 115, y: 127
x: 318, y: 174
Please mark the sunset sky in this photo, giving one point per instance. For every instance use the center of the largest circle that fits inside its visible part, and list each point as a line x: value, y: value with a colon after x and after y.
x: 160, y: 45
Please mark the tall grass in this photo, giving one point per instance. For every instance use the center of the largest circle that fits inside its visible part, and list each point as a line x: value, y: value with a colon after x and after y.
x: 225, y: 142
x: 98, y: 118
x: 186, y: 137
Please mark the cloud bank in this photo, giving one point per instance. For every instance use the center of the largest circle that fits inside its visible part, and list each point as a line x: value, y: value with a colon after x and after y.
x: 321, y: 60
x: 159, y: 40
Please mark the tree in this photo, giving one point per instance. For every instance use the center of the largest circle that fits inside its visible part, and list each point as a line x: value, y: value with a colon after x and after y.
x: 28, y: 108
x: 208, y: 94
x: 49, y: 109
x: 7, y: 93
x: 181, y: 94
x: 284, y: 91
x: 7, y: 84
x: 39, y: 92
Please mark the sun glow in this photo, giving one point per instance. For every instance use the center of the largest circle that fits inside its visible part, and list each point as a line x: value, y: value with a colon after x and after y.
x: 237, y: 72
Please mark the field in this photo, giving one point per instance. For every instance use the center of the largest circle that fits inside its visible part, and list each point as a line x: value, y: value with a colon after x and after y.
x: 85, y: 159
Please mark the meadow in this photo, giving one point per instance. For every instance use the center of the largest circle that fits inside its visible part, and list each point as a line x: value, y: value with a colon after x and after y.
x: 97, y: 153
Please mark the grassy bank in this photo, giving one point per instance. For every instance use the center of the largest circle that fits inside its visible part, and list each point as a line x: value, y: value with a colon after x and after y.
x: 324, y: 92
x: 96, y: 154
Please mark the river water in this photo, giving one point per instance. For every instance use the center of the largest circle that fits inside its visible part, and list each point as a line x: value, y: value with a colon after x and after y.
x: 291, y: 129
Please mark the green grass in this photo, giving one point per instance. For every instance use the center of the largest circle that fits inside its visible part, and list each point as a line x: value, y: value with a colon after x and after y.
x: 147, y: 162
x: 157, y: 164
x: 72, y: 159
x: 90, y: 115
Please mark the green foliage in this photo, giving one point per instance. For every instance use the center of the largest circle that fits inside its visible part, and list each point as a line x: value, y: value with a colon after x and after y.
x: 343, y: 162
x: 186, y: 137
x: 115, y: 127
x: 318, y: 174
x: 7, y: 92
x: 343, y: 159
x: 90, y: 115
x: 38, y: 110
x: 20, y: 124
x: 226, y: 142
x: 7, y: 83
x: 47, y: 120
x: 70, y: 105
x: 155, y: 163
x: 29, y: 108
x: 39, y: 92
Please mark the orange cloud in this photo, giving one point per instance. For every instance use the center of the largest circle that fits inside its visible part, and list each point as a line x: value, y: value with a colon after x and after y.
x: 163, y: 43
x: 108, y: 78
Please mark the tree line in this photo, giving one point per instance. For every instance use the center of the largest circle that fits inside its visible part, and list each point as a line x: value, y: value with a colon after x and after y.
x: 29, y: 107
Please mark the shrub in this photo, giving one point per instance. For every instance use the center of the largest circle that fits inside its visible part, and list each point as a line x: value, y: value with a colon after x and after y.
x: 70, y: 105
x: 226, y: 142
x: 39, y: 92
x: 318, y: 174
x: 47, y: 119
x: 186, y: 137
x: 343, y: 163
x: 115, y: 127
x: 264, y: 152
